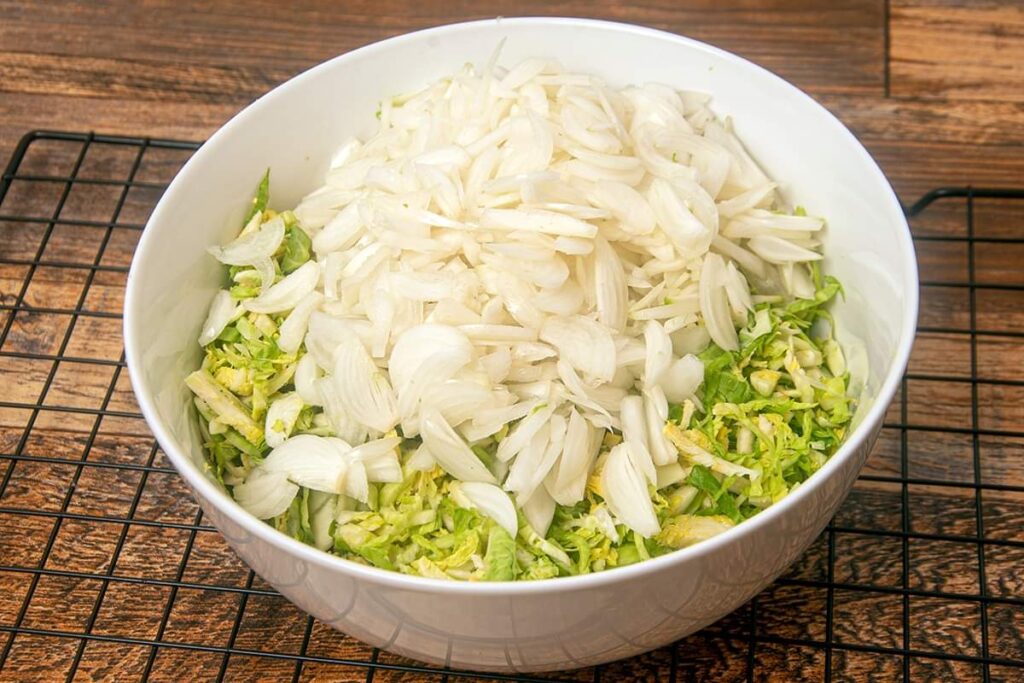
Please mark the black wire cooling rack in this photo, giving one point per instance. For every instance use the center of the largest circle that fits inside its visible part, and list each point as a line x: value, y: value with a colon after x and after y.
x: 107, y: 570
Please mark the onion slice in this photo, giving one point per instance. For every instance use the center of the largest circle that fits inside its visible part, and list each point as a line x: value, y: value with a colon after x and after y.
x: 223, y: 311
x: 625, y: 491
x: 450, y: 451
x: 491, y: 501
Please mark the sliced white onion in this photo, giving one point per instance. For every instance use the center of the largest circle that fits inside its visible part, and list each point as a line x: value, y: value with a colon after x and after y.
x: 223, y: 310
x: 634, y: 435
x: 670, y: 474
x: 424, y: 356
x: 602, y: 400
x: 626, y: 204
x: 683, y: 379
x: 658, y: 353
x: 582, y: 442
x: 531, y: 351
x: 293, y: 329
x: 498, y: 334
x: 566, y: 300
x: 757, y: 222
x: 426, y: 346
x: 745, y: 200
x: 450, y: 451
x: 527, y: 479
x: 380, y: 459
x: 522, y: 73
x: 320, y: 206
x: 265, y: 494
x: 585, y: 344
x: 421, y: 460
x: 800, y: 284
x: 524, y: 431
x: 497, y: 364
x: 777, y: 250
x: 539, y: 510
x: 321, y: 515
x: 686, y: 232
x: 575, y: 246
x: 307, y: 373
x: 625, y: 491
x: 714, y: 305
x: 738, y: 292
x: 357, y: 483
x: 252, y: 246
x: 518, y: 298
x: 527, y: 462
x: 629, y: 351
x: 343, y: 424
x: 493, y: 502
x: 536, y: 220
x: 281, y: 417
x: 490, y: 421
x: 459, y: 400
x: 610, y: 284
x: 423, y: 286
x: 364, y: 389
x: 453, y: 313
x: 341, y: 232
x: 287, y: 293
x: 310, y: 461
x: 747, y: 260
x: 690, y: 339
x: 655, y: 415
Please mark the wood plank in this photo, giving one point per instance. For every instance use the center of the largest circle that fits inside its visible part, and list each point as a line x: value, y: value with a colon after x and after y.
x: 916, y: 167
x: 164, y: 119
x: 980, y: 124
x: 141, y: 79
x: 140, y: 69
x: 837, y: 45
x: 957, y: 50
x: 38, y: 659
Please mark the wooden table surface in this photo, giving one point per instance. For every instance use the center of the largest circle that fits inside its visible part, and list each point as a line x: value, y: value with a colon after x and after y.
x: 927, y: 554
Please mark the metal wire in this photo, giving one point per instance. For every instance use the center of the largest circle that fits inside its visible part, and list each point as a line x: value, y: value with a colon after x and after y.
x: 754, y: 636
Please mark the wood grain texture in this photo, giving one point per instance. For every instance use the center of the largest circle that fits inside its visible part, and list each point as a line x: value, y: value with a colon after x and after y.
x: 174, y: 70
x: 961, y: 51
x: 953, y: 115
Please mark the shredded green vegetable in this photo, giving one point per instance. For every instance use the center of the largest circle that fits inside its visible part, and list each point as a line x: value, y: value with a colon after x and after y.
x: 259, y: 202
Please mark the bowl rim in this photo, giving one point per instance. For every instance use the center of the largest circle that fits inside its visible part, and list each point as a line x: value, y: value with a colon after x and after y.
x: 226, y: 505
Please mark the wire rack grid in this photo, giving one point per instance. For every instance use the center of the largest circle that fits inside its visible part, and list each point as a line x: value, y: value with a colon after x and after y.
x: 108, y: 571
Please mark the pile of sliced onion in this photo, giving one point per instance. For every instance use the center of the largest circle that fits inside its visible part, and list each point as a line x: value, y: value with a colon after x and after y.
x: 522, y: 249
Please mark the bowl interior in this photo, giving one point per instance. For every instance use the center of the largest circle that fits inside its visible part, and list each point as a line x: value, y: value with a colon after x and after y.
x: 295, y: 129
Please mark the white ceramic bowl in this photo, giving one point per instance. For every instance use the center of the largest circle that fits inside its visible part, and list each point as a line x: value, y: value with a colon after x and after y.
x: 557, y: 623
